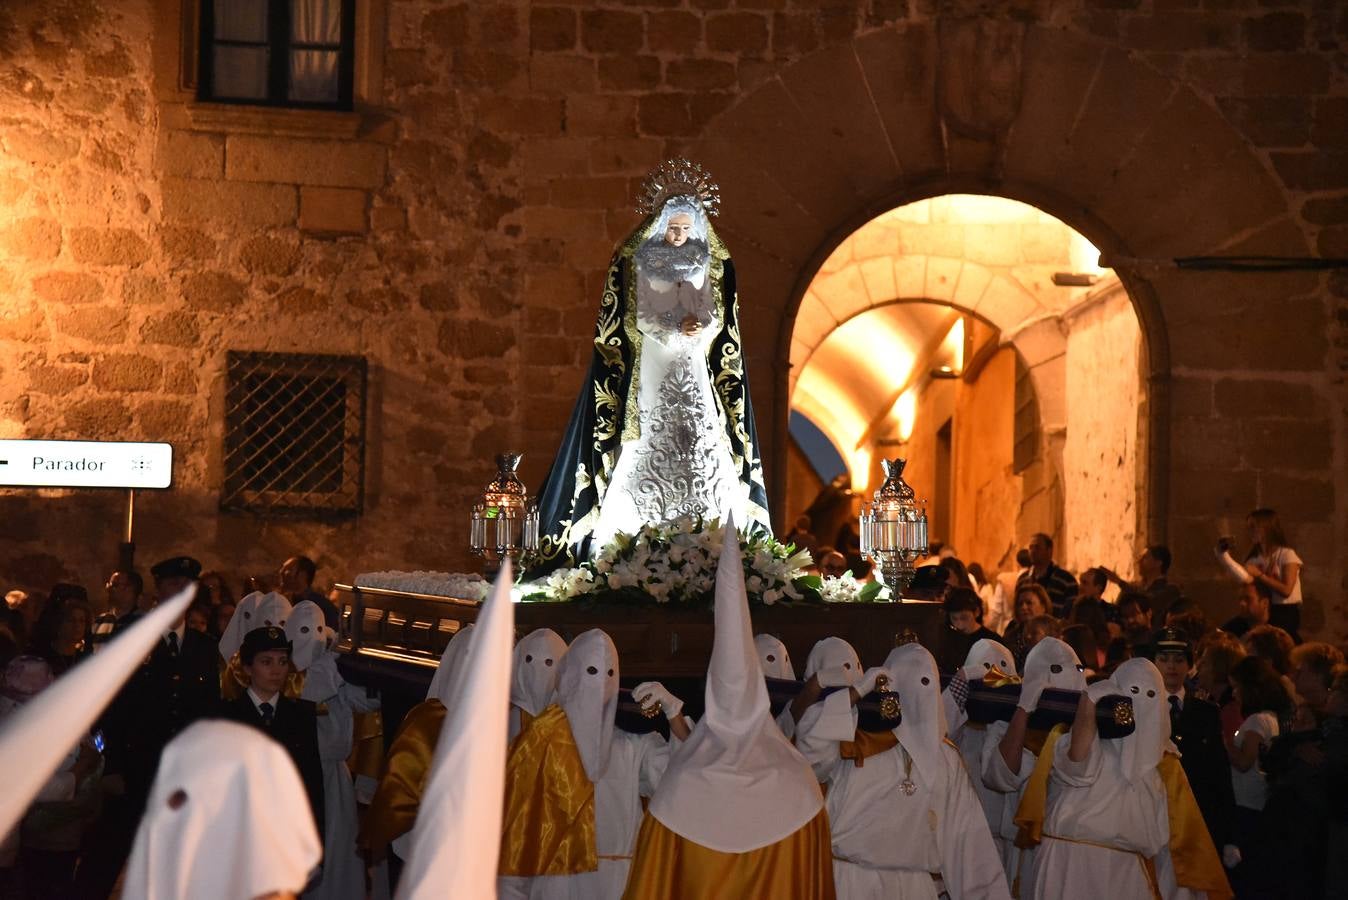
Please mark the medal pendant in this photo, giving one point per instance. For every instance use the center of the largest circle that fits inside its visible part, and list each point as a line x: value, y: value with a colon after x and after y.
x: 908, y: 787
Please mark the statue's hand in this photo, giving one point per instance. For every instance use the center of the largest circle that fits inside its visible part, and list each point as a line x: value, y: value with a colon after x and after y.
x: 690, y: 325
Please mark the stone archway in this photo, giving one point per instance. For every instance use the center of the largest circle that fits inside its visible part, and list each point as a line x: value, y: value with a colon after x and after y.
x: 1118, y: 150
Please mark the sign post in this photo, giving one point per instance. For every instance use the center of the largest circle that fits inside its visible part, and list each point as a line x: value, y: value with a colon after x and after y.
x: 90, y: 464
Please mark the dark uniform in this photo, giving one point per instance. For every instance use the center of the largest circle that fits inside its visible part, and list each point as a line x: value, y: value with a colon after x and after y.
x: 178, y: 683
x: 291, y: 723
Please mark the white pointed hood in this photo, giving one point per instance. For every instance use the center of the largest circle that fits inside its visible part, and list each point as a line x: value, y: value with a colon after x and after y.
x: 36, y: 737
x: 243, y: 621
x: 456, y: 841
x: 1140, y: 681
x: 272, y: 611
x: 922, y: 728
x: 736, y: 784
x: 833, y: 653
x: 227, y: 818
x: 587, y: 690
x: 308, y: 633
x: 451, y: 665
x: 1054, y: 661
x: 983, y: 656
x: 537, y: 662
x: 772, y: 656
x: 312, y: 641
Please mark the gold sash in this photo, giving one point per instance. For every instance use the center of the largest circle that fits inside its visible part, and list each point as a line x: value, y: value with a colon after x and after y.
x: 669, y: 867
x: 1197, y: 865
x: 548, y: 827
x: 402, y: 781
x: 367, y: 744
x: 867, y: 743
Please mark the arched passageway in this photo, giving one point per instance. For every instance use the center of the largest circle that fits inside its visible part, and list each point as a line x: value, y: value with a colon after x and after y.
x: 978, y: 337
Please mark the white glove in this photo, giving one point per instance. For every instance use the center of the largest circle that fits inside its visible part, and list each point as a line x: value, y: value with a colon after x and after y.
x: 836, y: 676
x: 649, y: 693
x: 1231, y: 856
x: 1102, y: 689
x: 1235, y: 569
x: 1030, y: 689
x: 866, y: 683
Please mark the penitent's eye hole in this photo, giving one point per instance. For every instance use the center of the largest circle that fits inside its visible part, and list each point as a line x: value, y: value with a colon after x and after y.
x: 592, y: 670
x: 247, y: 614
x: 1080, y: 667
x: 177, y: 800
x: 1134, y: 690
x: 304, y: 629
x: 528, y: 657
x: 926, y: 680
x: 987, y: 666
x: 847, y: 665
x: 610, y: 673
x: 1151, y: 693
x: 547, y: 662
x: 1055, y: 668
x: 772, y: 657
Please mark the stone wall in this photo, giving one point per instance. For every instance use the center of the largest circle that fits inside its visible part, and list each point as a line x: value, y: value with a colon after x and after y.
x: 455, y: 231
x: 1100, y: 468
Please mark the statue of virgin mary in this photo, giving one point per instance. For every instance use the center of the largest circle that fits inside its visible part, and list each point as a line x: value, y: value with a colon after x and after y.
x: 663, y: 427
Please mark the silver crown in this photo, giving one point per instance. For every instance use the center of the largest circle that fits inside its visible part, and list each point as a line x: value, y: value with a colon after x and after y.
x: 678, y: 178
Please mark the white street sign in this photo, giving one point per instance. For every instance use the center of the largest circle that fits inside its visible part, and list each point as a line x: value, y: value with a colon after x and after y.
x: 117, y: 464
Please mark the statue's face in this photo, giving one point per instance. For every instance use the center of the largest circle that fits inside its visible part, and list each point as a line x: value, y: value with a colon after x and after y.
x: 679, y: 228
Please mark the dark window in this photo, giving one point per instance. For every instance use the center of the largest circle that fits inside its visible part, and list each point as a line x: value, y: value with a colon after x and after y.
x: 294, y: 434
x: 278, y: 52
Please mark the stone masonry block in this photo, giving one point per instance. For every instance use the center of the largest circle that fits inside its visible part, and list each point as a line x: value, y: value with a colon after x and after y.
x: 33, y: 239
x: 552, y: 28
x: 213, y: 291
x: 238, y: 203
x: 1311, y: 498
x: 288, y: 160
x: 611, y: 30
x: 333, y: 211
x: 1263, y: 398
x: 96, y: 324
x: 108, y: 246
x: 744, y: 33
x: 178, y: 329
x: 191, y: 154
x: 127, y: 372
x: 68, y: 287
x: 1288, y: 445
x: 97, y: 417
x: 55, y: 379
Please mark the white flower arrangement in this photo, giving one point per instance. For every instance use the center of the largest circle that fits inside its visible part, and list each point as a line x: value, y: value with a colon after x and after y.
x: 676, y: 564
x: 845, y: 588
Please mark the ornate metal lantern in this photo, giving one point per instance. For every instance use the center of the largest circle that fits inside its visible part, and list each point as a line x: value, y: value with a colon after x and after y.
x: 505, y: 523
x: 894, y: 529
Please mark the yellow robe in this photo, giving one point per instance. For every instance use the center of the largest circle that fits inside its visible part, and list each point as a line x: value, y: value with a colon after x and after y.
x: 670, y: 867
x: 549, y: 822
x: 402, y: 781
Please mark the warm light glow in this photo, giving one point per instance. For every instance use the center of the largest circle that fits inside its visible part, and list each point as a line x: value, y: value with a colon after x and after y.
x: 860, y: 462
x: 905, y: 410
x: 1085, y: 256
x: 952, y: 348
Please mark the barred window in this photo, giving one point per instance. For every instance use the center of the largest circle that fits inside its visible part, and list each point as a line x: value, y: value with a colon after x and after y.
x: 294, y: 434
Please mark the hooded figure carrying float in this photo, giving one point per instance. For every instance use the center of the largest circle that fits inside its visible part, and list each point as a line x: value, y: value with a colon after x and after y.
x: 663, y: 428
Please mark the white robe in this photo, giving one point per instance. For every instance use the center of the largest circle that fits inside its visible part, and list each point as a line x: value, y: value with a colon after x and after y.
x: 1091, y: 808
x: 636, y: 764
x: 681, y: 464
x: 887, y: 844
x: 343, y: 875
x: 997, y: 779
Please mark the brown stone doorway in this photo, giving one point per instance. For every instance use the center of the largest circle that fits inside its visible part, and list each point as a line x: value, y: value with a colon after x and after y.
x: 978, y: 337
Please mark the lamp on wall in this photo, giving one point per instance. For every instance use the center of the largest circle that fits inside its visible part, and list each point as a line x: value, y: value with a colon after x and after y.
x: 505, y: 524
x: 894, y: 529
